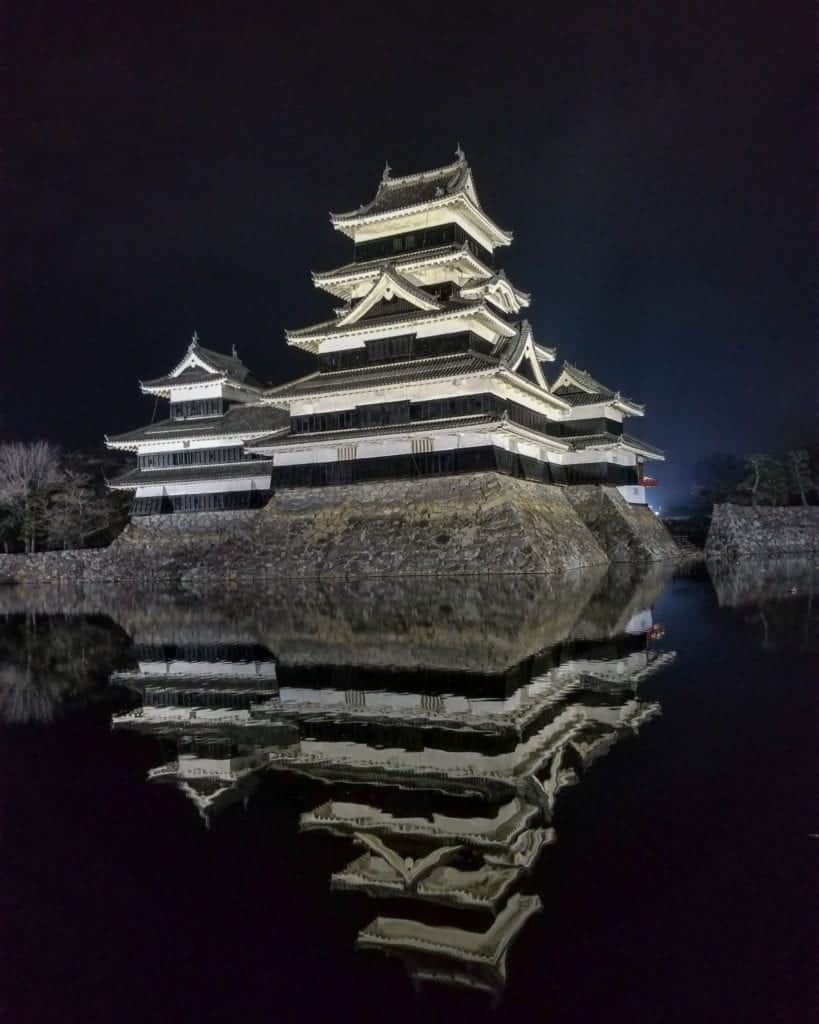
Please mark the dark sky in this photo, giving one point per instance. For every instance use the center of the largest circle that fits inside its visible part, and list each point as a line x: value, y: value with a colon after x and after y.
x: 172, y: 168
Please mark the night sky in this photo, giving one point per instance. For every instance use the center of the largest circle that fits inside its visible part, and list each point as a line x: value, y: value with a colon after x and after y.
x: 172, y: 170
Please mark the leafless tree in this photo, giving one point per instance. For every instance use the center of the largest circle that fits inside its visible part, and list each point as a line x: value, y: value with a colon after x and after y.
x: 29, y: 475
x: 78, y: 513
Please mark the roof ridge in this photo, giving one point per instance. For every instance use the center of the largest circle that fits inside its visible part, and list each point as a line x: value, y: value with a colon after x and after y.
x: 399, y: 362
x: 447, y: 307
x: 435, y: 172
x: 205, y: 352
x: 585, y: 377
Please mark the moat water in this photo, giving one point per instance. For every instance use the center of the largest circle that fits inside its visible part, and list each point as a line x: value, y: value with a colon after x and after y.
x: 530, y: 799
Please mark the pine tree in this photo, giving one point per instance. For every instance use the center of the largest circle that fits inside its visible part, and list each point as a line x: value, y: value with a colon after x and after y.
x: 766, y: 482
x: 800, y: 475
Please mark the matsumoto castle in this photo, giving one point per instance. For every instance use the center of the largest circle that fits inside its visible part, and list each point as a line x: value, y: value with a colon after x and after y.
x: 428, y: 367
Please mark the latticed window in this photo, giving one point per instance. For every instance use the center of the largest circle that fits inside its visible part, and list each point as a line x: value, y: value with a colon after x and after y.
x: 346, y: 452
x: 420, y: 445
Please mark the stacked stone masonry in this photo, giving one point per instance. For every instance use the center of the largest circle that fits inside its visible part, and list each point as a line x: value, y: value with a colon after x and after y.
x: 481, y: 523
x: 739, y: 530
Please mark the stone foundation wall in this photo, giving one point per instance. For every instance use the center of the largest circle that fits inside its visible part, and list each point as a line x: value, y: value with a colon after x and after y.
x: 476, y: 523
x: 440, y: 526
x: 627, y: 533
x: 156, y: 548
x: 738, y: 530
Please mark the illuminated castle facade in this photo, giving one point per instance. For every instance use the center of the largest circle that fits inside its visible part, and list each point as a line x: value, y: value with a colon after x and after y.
x: 428, y: 367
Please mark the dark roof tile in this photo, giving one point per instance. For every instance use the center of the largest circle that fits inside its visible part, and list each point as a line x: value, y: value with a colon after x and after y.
x: 399, y: 193
x: 240, y: 419
x: 390, y: 373
x: 594, y: 440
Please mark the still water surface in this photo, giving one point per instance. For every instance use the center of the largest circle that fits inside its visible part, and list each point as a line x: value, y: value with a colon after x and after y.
x: 512, y: 799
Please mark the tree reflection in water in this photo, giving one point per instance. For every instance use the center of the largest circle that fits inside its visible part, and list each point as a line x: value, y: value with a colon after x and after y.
x: 46, y: 660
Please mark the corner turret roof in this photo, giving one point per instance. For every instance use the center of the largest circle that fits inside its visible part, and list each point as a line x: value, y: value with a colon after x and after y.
x: 578, y: 387
x: 200, y: 365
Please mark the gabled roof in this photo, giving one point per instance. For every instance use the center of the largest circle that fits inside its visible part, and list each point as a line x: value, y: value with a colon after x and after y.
x: 389, y: 286
x: 522, y: 347
x: 499, y: 290
x: 579, y: 388
x: 441, y: 186
x: 572, y: 378
x: 330, y: 280
x: 203, y: 365
x: 309, y: 337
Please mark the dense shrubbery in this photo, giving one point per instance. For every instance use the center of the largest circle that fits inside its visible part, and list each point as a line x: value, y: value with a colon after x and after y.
x: 52, y: 500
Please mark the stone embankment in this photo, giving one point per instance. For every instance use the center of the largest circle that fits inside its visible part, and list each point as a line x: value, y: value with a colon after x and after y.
x: 627, y: 533
x: 740, y: 530
x: 151, y: 549
x: 482, y: 523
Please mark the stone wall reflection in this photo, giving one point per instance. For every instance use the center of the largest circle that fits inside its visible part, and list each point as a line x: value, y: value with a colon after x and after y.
x: 775, y: 597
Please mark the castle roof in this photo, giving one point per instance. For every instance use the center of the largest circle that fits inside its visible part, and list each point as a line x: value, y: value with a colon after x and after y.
x: 441, y: 186
x: 413, y: 190
x: 238, y: 421
x: 607, y: 440
x: 577, y: 387
x: 583, y: 380
x: 403, y: 372
x: 308, y: 337
x: 402, y: 261
x: 202, y: 365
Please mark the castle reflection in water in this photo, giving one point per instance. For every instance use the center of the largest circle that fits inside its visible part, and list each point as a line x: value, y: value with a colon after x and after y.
x: 459, y: 710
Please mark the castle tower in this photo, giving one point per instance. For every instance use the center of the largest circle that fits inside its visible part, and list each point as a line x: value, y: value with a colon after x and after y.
x: 428, y: 366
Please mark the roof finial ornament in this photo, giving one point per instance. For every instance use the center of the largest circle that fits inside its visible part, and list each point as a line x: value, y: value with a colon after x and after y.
x: 459, y: 153
x: 194, y: 341
x: 233, y: 352
x: 387, y: 172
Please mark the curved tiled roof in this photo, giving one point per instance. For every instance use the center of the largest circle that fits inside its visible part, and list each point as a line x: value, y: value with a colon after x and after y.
x: 582, y: 397
x: 585, y: 381
x: 403, y: 372
x: 452, y: 306
x: 497, y: 278
x: 588, y: 391
x: 441, y: 186
x: 240, y: 419
x: 193, y: 375
x: 222, y: 366
x: 624, y: 440
x: 361, y: 268
x: 412, y: 190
